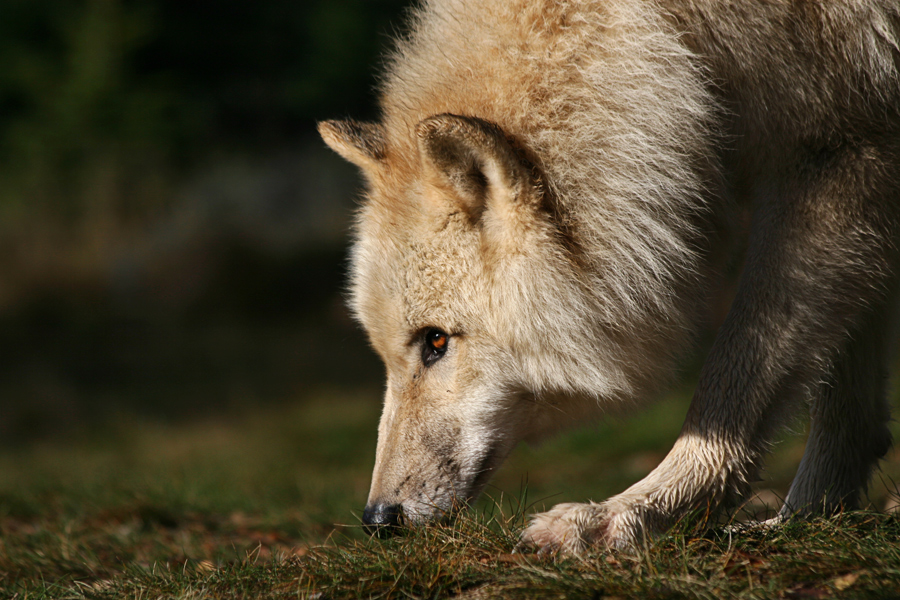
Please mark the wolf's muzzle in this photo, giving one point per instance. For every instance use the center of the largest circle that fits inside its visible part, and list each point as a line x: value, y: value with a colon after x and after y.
x: 382, y: 520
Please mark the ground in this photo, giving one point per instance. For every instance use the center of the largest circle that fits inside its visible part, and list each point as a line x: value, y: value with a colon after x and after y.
x: 265, y: 502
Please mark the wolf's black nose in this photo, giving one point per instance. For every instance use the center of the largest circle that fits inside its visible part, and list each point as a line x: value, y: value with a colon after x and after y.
x: 382, y: 519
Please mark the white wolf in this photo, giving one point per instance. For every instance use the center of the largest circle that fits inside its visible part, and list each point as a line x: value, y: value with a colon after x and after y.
x: 547, y: 189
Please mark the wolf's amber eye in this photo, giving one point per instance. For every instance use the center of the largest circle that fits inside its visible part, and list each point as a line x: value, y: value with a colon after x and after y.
x: 434, y: 347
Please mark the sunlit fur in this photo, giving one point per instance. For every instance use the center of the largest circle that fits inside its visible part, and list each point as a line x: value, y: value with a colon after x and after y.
x: 548, y: 184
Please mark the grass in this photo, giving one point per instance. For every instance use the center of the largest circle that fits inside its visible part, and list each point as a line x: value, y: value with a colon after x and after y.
x: 264, y: 504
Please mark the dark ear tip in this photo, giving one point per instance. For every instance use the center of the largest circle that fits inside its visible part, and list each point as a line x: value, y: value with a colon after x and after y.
x: 332, y: 129
x: 482, y: 132
x: 442, y: 123
x: 329, y: 125
x: 362, y: 143
x: 345, y: 128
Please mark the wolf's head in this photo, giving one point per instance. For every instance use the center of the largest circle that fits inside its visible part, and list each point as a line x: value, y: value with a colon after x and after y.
x: 464, y: 278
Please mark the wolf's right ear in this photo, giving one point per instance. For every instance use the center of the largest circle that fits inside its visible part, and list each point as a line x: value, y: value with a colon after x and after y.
x: 360, y: 143
x: 477, y: 160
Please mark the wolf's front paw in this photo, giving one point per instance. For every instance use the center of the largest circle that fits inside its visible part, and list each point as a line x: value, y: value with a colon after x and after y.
x: 618, y: 524
x: 569, y: 528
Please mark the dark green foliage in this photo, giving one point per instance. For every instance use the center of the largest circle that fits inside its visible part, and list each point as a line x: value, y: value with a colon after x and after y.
x: 101, y: 98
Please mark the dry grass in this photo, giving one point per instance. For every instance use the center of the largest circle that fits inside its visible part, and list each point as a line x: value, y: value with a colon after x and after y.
x: 246, y: 506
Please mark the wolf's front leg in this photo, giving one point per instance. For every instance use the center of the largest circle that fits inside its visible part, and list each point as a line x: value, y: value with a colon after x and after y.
x: 695, y: 475
x: 817, y: 266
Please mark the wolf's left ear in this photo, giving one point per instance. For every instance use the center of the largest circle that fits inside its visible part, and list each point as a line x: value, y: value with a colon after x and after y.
x: 477, y: 160
x: 360, y: 143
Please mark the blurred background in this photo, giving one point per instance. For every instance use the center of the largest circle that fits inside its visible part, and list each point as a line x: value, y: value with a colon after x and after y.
x: 172, y: 231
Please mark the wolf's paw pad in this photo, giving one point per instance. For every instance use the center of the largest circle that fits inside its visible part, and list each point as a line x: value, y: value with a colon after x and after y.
x: 568, y: 528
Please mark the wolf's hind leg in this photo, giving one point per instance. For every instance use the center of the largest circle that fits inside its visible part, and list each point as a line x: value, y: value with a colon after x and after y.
x: 848, y: 427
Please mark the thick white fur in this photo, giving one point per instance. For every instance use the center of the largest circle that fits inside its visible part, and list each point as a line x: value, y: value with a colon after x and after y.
x: 583, y: 86
x: 610, y: 142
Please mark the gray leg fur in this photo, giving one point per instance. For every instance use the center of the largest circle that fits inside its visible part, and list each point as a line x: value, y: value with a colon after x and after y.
x: 848, y: 427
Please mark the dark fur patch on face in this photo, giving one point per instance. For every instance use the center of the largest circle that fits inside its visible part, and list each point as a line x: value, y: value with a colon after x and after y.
x: 450, y: 467
x: 443, y: 444
x: 401, y: 485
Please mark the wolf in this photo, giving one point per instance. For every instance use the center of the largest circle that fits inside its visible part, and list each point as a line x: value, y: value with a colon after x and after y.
x: 550, y: 189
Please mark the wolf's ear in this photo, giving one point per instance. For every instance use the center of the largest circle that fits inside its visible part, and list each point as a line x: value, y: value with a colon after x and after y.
x: 360, y: 143
x: 477, y: 160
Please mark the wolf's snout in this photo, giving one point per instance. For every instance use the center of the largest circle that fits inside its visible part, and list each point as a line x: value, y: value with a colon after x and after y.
x: 382, y: 519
